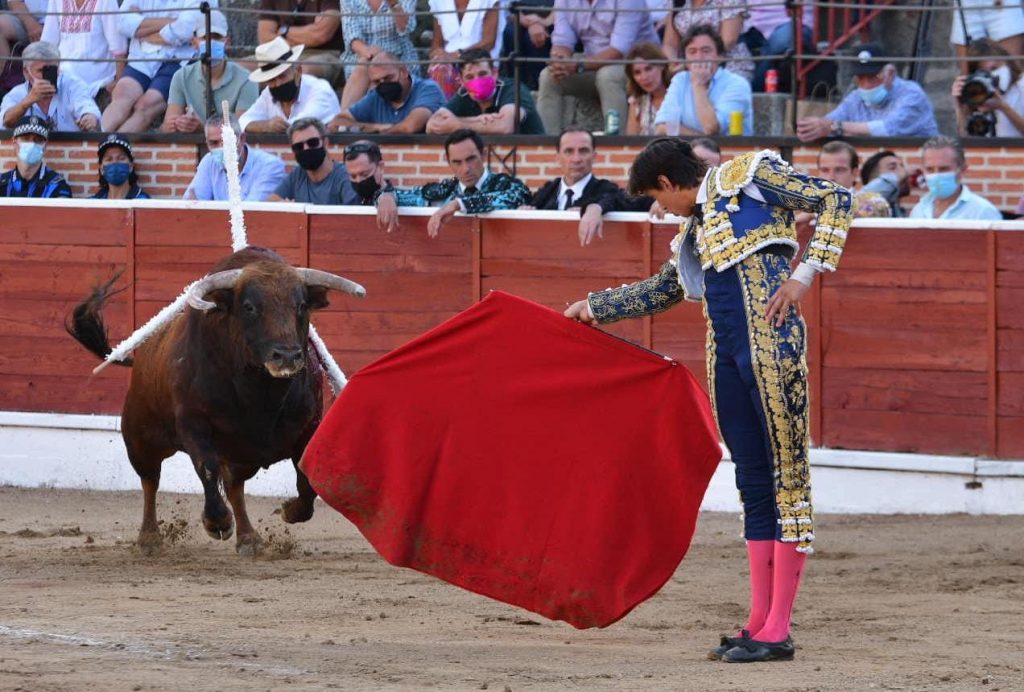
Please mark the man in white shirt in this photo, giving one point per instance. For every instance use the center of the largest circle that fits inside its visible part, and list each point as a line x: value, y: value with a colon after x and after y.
x: 65, y: 103
x: 944, y: 164
x: 289, y: 95
x: 259, y: 172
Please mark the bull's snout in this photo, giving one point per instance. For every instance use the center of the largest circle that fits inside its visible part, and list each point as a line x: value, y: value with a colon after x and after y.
x: 284, y: 362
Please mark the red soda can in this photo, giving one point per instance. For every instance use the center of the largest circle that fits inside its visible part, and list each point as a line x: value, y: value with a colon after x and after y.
x: 771, y: 81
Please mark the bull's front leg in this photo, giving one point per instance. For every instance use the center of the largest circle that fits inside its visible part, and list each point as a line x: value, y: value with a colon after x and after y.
x: 197, y: 439
x: 299, y: 509
x: 248, y: 543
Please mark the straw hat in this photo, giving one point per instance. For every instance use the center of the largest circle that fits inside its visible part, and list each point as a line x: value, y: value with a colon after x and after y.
x: 274, y: 57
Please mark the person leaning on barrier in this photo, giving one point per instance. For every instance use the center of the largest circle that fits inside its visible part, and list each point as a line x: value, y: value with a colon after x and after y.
x: 318, y: 179
x: 160, y: 38
x: 485, y: 104
x: 944, y: 164
x: 259, y: 173
x: 87, y: 41
x: 607, y: 29
x: 365, y: 167
x: 117, y: 176
x: 66, y: 103
x: 291, y: 95
x: 473, y: 190
x: 989, y: 100
x: 186, y: 102
x: 577, y: 187
x: 883, y: 105
x: 313, y: 25
x: 884, y: 172
x: 397, y: 103
x: 30, y: 176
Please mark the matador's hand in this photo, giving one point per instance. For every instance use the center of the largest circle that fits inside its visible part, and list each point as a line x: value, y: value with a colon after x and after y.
x: 788, y: 295
x: 580, y: 310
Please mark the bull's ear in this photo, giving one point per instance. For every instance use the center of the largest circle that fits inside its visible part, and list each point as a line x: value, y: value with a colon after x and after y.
x: 223, y: 297
x: 316, y: 297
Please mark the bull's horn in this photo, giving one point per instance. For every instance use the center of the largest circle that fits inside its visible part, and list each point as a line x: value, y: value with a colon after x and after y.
x: 315, y: 277
x: 211, y: 282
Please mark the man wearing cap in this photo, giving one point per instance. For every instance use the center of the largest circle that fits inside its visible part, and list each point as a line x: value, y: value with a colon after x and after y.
x: 65, y: 103
x: 397, y: 102
x: 160, y: 33
x: 290, y: 95
x: 186, y: 103
x: 30, y: 177
x: 883, y: 105
x: 117, y: 178
x: 259, y: 173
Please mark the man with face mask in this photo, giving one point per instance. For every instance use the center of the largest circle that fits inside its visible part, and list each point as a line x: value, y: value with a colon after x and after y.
x: 318, y: 179
x: 259, y: 173
x: 30, y: 177
x: 366, y: 169
x: 944, y: 164
x: 63, y: 100
x: 397, y: 102
x: 485, y: 103
x: 186, y: 102
x: 884, y: 172
x: 883, y: 105
x: 290, y: 95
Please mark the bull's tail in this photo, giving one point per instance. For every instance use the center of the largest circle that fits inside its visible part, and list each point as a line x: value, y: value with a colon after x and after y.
x: 85, y: 323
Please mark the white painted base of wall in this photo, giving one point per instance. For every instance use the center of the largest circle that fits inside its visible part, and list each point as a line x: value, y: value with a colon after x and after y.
x: 77, y: 451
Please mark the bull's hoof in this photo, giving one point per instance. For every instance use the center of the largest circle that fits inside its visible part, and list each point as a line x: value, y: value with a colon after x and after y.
x: 220, y: 528
x: 150, y: 543
x: 249, y: 546
x: 296, y: 510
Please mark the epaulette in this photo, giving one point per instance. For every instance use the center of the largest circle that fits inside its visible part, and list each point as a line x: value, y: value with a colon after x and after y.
x: 734, y: 175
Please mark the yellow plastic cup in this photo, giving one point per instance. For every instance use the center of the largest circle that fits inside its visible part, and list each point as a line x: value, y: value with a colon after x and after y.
x: 736, y: 123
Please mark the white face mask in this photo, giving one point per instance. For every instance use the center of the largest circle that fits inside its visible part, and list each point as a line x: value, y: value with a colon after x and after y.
x: 1002, y: 76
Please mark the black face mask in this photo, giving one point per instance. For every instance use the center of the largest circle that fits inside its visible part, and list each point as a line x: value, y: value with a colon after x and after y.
x: 311, y: 159
x: 286, y: 92
x: 390, y: 91
x: 366, y: 187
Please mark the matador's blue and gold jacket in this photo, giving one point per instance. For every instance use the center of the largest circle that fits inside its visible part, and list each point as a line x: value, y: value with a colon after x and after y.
x: 747, y: 204
x: 496, y: 191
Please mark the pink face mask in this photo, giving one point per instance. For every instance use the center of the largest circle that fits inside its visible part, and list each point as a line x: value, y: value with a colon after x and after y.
x: 481, y: 88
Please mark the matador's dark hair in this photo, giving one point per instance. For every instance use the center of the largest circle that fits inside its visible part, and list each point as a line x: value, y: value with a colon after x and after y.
x: 670, y: 157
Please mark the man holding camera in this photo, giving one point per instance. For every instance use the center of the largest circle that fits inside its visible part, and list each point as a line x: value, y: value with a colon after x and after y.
x: 883, y: 105
x: 60, y: 99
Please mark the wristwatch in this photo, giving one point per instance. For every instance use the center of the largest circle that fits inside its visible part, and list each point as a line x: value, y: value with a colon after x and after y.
x: 580, y: 66
x: 283, y: 31
x: 837, y: 128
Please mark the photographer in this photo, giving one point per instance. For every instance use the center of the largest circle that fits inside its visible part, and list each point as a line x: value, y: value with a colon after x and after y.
x: 60, y: 99
x: 990, y: 99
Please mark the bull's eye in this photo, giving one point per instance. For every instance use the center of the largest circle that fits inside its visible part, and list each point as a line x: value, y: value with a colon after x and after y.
x: 249, y: 308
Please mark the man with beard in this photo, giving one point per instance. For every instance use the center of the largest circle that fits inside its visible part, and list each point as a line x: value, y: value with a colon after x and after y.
x: 885, y: 174
x: 365, y: 167
x: 318, y: 179
x: 397, y: 102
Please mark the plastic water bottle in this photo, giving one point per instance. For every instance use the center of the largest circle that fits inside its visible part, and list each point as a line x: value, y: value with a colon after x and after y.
x: 611, y: 122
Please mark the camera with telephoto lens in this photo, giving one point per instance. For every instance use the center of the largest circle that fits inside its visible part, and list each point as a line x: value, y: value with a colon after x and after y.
x: 979, y: 87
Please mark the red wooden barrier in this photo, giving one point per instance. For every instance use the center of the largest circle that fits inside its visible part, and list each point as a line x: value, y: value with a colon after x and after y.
x: 916, y: 344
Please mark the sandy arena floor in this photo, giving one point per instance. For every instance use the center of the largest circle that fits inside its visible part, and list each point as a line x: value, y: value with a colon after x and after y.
x: 890, y: 603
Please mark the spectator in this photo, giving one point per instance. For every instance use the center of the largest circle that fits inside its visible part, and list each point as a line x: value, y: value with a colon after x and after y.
x: 117, y: 176
x: 371, y: 27
x: 534, y: 25
x: 884, y: 173
x: 22, y: 23
x: 473, y: 190
x: 658, y: 11
x: 577, y: 188
x: 458, y: 26
x: 883, y: 105
x: 948, y: 198
x: 702, y: 99
x: 838, y: 161
x: 995, y: 112
x: 61, y: 99
x: 314, y: 25
x: 82, y: 36
x: 318, y: 179
x: 726, y: 16
x: 186, y: 103
x: 707, y: 150
x: 366, y: 169
x: 290, y: 95
x: 160, y: 33
x: 30, y: 177
x: 768, y: 30
x: 259, y: 173
x: 989, y: 19
x: 607, y: 29
x: 486, y: 104
x: 647, y: 80
x: 399, y: 103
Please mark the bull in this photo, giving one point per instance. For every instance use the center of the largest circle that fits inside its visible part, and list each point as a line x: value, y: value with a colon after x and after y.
x: 232, y: 382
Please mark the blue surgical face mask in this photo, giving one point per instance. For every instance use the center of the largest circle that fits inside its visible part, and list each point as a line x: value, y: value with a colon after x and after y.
x: 218, y: 156
x: 117, y: 173
x: 30, y: 153
x: 217, y: 51
x: 942, y: 185
x: 874, y: 97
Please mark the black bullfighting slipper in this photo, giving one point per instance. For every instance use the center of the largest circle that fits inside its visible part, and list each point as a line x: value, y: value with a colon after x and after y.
x: 753, y: 651
x: 728, y: 643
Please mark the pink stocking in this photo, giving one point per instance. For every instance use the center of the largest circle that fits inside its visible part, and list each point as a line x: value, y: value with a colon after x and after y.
x: 760, y: 556
x: 786, y: 573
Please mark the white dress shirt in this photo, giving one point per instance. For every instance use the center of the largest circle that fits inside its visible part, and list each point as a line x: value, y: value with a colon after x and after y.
x: 577, y: 190
x: 316, y: 99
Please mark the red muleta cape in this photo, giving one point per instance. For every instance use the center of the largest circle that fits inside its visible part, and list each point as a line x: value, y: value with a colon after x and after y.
x: 523, y: 456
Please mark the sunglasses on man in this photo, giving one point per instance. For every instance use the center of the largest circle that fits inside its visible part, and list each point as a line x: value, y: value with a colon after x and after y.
x: 311, y: 143
x: 354, y: 150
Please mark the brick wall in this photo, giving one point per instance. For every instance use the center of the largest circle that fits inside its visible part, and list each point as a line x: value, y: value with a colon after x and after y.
x: 166, y: 168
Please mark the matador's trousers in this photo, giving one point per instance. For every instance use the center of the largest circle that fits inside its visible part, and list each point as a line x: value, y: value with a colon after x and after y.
x: 757, y: 376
